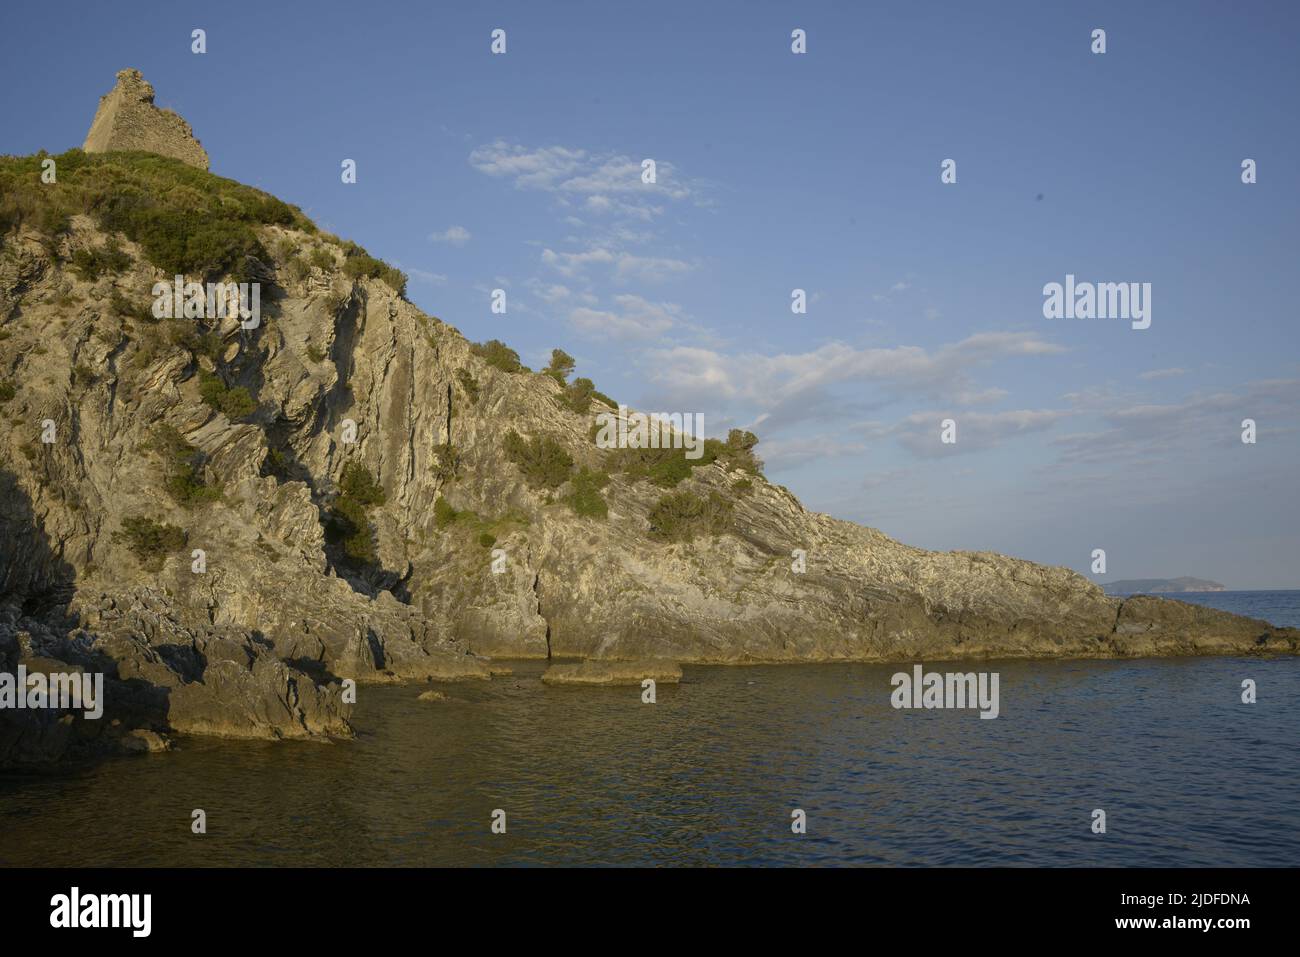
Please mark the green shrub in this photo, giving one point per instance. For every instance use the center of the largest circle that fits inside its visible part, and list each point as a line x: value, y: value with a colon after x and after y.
x: 742, y: 486
x: 736, y: 452
x: 578, y: 394
x: 97, y: 261
x: 315, y: 354
x: 469, y: 384
x: 543, y: 461
x: 663, y: 467
x: 349, y: 524
x: 584, y: 496
x: 446, y: 462
x: 357, y: 483
x: 680, y: 516
x: 124, y: 308
x: 359, y: 264
x: 236, y: 403
x: 321, y: 258
x: 443, y: 513
x: 182, y: 466
x: 149, y: 541
x: 349, y: 527
x: 487, y: 539
x: 186, y: 334
x: 498, y: 355
x: 561, y: 366
x: 277, y: 464
x: 186, y: 220
x: 7, y: 391
x: 297, y: 269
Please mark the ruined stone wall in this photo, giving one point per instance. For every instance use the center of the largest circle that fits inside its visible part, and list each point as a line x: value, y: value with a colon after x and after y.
x: 128, y: 120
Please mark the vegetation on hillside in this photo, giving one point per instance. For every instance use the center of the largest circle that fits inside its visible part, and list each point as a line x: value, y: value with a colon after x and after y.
x: 236, y: 403
x: 542, y: 460
x: 150, y: 541
x: 681, y: 516
x: 182, y: 465
x: 498, y: 355
x: 349, y: 522
x: 186, y: 221
x: 484, y: 531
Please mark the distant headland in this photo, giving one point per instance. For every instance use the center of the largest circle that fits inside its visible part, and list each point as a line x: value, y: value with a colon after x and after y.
x: 1160, y: 586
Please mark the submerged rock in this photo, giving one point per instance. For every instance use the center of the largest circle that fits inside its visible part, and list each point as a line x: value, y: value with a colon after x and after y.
x: 592, y: 672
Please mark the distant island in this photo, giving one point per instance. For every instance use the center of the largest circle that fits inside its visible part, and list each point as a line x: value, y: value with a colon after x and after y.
x: 1159, y: 586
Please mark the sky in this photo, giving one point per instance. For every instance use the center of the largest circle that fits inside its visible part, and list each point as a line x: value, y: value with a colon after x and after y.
x: 819, y: 171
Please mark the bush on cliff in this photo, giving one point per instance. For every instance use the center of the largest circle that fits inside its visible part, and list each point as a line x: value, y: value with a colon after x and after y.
x: 561, y: 366
x: 186, y: 220
x: 360, y: 264
x: 150, y: 541
x: 543, y: 461
x: 349, y: 523
x: 681, y: 516
x: 106, y: 260
x: 182, y: 464
x: 584, y: 496
x: 498, y: 355
x: 236, y: 403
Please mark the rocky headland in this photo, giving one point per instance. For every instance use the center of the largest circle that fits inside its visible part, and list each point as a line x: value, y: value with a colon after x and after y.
x: 234, y: 522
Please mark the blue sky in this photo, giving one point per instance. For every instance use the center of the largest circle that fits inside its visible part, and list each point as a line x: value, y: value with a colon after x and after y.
x: 818, y: 172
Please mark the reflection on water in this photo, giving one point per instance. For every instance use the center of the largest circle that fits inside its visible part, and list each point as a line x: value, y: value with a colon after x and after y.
x: 1187, y: 775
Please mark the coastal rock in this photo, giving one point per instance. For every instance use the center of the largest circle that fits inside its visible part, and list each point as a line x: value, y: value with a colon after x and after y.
x: 592, y: 672
x: 452, y: 559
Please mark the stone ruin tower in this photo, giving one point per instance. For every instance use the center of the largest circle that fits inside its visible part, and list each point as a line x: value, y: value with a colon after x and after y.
x: 128, y: 120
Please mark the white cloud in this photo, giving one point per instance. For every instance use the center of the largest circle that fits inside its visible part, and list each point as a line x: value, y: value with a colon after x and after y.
x: 452, y: 235
x: 606, y: 183
x: 635, y: 318
x: 771, y: 380
x: 976, y: 431
x: 423, y: 275
x: 626, y: 266
x: 530, y: 169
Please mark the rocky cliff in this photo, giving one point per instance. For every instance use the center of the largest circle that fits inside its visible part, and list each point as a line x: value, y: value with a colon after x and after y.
x: 228, y: 521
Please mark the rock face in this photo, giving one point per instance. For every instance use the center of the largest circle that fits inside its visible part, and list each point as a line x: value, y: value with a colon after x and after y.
x: 128, y: 120
x: 257, y: 638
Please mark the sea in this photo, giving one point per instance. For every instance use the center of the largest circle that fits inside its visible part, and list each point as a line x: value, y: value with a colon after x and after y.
x: 725, y: 769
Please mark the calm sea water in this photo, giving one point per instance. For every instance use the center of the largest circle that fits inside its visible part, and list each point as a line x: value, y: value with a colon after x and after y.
x: 1187, y: 775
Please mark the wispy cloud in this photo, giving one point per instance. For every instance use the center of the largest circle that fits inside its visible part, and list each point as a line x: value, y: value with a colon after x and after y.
x: 623, y: 266
x: 921, y: 432
x: 452, y: 235
x: 598, y: 183
x: 633, y: 318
